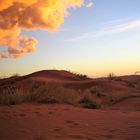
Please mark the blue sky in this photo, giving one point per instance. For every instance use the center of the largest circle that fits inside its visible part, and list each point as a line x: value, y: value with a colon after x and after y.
x: 94, y: 41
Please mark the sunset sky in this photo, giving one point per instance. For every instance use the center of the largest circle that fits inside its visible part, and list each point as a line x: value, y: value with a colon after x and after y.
x: 96, y: 37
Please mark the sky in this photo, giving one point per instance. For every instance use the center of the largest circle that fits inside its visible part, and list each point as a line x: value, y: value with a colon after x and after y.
x: 94, y: 37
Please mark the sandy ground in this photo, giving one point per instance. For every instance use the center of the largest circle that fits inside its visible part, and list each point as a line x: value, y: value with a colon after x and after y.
x: 65, y: 122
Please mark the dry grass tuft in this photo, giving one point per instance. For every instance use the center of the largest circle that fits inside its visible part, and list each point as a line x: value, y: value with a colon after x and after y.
x: 88, y: 102
x: 11, y: 95
x: 46, y: 93
x: 39, y: 92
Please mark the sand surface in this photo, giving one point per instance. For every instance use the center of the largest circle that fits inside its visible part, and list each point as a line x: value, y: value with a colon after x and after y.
x: 66, y: 122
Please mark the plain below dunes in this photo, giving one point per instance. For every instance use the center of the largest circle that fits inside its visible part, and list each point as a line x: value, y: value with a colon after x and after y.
x: 117, y: 119
x: 66, y: 122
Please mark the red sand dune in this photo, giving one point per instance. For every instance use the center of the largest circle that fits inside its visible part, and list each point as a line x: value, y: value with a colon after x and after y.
x: 118, y: 121
x: 72, y: 80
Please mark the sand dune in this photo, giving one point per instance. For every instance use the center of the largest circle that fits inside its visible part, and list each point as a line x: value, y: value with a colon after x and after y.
x: 117, y: 119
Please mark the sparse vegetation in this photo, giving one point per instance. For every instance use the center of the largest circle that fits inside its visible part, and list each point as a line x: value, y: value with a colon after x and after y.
x: 55, y: 93
x: 111, y: 76
x: 137, y: 72
x: 11, y: 95
x: 80, y: 76
x: 87, y: 101
x: 15, y: 75
x: 39, y: 92
x: 90, y: 96
x: 97, y: 91
x: 45, y: 93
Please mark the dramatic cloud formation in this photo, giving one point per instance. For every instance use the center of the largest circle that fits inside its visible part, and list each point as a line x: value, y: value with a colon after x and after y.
x: 16, y: 15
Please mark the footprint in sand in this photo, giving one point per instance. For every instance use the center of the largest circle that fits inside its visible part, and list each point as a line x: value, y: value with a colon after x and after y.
x: 112, y: 130
x: 39, y: 138
x: 108, y: 136
x: 37, y: 112
x: 80, y: 137
x: 68, y: 121
x: 19, y: 114
x: 72, y: 123
x: 66, y: 109
x: 50, y: 112
x: 58, y: 136
x: 78, y: 124
x: 134, y: 127
x: 22, y: 131
x: 5, y: 112
x: 57, y: 129
x: 22, y: 114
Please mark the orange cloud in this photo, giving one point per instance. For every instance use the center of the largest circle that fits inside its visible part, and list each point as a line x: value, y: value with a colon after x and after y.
x: 17, y: 45
x: 16, y: 15
x: 2, y: 56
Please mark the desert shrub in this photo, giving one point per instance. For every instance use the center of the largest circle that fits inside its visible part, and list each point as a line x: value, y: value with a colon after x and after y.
x: 46, y: 93
x: 130, y: 84
x: 53, y: 93
x: 87, y: 101
x: 118, y: 79
x: 137, y: 72
x: 97, y: 91
x: 111, y: 76
x: 11, y: 95
x: 137, y: 85
x: 81, y: 76
x: 14, y: 75
x: 112, y: 101
x: 40, y: 92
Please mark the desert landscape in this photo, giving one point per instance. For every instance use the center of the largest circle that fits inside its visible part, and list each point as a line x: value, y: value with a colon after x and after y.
x: 57, y: 104
x: 69, y: 69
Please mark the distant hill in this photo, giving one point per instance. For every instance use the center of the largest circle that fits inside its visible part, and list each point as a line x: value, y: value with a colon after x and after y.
x: 46, y: 75
x: 76, y: 81
x: 132, y: 78
x: 59, y: 74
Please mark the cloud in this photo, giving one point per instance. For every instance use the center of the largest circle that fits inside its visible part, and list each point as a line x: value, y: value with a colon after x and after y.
x: 89, y: 5
x: 17, y: 15
x: 2, y: 56
x: 124, y: 26
x: 108, y: 30
x: 17, y: 45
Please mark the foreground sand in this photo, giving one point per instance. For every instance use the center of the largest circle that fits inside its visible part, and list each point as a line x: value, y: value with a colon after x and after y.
x: 65, y: 122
